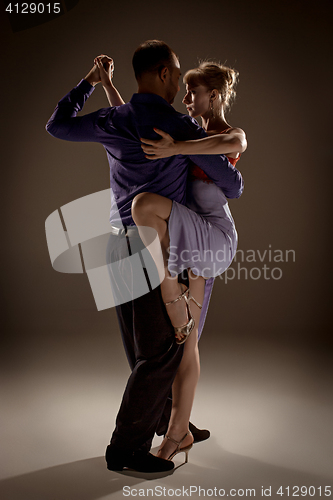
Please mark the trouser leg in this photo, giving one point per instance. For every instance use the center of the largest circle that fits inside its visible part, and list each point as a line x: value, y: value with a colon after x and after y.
x: 154, y: 357
x: 126, y: 328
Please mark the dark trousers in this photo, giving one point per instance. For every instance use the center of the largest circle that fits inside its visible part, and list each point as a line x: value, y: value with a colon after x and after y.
x: 153, y: 355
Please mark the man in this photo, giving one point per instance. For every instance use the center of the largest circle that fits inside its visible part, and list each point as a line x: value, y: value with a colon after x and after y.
x: 147, y: 333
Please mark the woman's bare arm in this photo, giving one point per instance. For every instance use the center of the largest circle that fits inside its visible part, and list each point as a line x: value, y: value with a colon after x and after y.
x: 230, y: 143
x: 106, y: 68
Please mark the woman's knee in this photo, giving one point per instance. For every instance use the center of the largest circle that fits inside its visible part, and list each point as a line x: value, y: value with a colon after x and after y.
x: 142, y: 204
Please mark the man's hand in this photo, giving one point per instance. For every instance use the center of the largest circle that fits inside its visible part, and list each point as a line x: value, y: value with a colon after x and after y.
x: 102, y: 71
x: 162, y: 148
x: 106, y: 68
x: 93, y: 77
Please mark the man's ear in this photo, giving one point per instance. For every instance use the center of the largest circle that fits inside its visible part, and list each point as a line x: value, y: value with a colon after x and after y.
x: 163, y: 73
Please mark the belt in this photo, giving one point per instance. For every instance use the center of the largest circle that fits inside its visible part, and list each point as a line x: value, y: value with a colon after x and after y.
x: 125, y: 230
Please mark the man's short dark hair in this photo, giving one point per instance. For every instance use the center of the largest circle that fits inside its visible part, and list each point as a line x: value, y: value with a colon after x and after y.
x: 151, y: 56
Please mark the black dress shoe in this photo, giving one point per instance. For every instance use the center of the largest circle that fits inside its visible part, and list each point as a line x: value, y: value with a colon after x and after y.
x: 198, y: 434
x: 146, y: 462
x: 139, y: 461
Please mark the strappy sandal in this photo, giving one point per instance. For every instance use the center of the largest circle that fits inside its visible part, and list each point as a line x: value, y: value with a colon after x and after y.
x: 186, y: 449
x: 186, y: 329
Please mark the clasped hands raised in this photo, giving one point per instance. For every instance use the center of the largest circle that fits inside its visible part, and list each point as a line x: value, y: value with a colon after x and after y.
x: 102, y: 71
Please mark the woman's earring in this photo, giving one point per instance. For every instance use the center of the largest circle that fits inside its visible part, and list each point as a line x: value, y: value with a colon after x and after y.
x: 212, y: 107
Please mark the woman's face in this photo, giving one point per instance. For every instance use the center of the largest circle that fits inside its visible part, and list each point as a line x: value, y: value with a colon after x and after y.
x: 197, y: 100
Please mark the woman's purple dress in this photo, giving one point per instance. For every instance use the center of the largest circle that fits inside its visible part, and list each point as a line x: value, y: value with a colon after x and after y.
x: 203, y: 236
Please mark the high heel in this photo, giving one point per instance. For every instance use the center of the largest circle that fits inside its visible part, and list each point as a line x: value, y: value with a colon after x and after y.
x: 186, y: 329
x: 186, y: 449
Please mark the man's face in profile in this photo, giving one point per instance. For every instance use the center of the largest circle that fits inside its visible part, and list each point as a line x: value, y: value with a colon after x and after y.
x: 173, y: 81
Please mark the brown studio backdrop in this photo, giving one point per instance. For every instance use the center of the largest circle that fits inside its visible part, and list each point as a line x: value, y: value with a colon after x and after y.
x: 281, y: 50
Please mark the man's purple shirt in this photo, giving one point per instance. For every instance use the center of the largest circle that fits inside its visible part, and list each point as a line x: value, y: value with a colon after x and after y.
x: 119, y: 130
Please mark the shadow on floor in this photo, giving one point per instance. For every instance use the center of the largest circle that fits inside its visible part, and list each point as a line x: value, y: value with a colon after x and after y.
x: 90, y: 480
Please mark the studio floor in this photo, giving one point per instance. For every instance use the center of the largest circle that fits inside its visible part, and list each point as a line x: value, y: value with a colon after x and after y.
x: 268, y: 406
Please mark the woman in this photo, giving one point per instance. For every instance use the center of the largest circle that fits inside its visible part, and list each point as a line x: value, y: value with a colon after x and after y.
x: 204, y: 226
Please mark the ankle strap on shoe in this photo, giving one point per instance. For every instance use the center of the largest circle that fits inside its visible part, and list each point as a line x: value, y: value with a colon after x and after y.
x: 178, y: 443
x: 182, y: 295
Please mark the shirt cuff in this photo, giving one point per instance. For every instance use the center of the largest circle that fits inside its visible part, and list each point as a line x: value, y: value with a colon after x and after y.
x: 85, y: 87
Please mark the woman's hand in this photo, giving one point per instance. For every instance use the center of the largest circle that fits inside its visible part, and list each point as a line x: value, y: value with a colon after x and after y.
x: 105, y: 66
x: 162, y: 148
x: 102, y: 71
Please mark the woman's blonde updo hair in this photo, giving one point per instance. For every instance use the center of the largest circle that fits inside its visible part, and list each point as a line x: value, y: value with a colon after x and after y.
x: 214, y: 76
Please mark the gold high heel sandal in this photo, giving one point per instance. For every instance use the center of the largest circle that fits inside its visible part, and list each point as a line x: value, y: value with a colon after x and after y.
x: 186, y: 449
x: 186, y: 329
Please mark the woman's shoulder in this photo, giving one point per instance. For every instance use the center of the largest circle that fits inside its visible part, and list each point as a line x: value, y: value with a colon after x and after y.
x: 233, y: 130
x: 239, y: 134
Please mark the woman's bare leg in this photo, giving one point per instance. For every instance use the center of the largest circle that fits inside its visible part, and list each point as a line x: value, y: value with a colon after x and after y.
x: 185, y: 383
x: 153, y: 210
